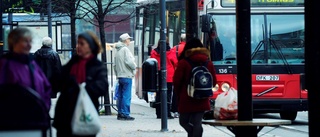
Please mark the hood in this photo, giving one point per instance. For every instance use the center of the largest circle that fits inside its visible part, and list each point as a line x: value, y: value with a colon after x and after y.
x: 120, y: 45
x: 44, y: 52
x: 22, y: 58
x: 198, y: 54
x: 156, y: 51
x: 198, y: 50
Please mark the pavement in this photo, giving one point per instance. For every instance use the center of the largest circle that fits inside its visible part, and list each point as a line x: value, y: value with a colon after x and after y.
x: 145, y: 124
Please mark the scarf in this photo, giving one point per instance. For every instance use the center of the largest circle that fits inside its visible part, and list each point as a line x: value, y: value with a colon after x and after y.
x: 78, y: 70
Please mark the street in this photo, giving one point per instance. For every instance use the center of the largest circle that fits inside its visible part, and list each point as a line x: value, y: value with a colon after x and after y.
x: 298, y: 128
x: 146, y: 117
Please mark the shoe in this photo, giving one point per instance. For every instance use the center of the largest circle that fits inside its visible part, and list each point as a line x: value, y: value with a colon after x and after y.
x: 170, y: 117
x: 127, y: 118
x: 176, y: 115
x: 120, y: 116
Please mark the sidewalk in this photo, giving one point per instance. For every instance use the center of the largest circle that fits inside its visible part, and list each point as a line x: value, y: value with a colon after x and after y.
x: 145, y: 124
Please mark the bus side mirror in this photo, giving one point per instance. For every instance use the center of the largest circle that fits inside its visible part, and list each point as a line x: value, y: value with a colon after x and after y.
x: 205, y: 26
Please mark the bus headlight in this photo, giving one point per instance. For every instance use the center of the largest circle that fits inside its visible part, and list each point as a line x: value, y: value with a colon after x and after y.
x: 225, y: 87
x: 215, y: 88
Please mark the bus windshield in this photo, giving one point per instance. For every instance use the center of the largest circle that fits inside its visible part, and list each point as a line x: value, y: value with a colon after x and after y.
x: 275, y: 38
x: 263, y: 3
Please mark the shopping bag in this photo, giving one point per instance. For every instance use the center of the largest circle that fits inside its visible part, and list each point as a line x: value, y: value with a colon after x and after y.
x: 85, y: 120
x: 116, y: 92
x: 226, y: 105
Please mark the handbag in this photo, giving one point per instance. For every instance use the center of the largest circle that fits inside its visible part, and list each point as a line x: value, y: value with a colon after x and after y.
x: 85, y: 120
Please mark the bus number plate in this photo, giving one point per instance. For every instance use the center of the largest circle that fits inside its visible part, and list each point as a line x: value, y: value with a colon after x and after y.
x: 267, y: 78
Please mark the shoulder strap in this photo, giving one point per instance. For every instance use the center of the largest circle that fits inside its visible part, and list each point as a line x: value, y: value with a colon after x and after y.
x: 206, y: 63
x: 4, y: 71
x: 31, y: 70
x: 177, y: 50
x: 190, y: 62
x: 193, y: 65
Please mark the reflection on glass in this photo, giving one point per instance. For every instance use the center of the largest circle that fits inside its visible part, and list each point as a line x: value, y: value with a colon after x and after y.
x: 286, y: 43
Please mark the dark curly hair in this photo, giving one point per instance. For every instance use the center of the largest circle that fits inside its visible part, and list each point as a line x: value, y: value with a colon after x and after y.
x: 192, y: 43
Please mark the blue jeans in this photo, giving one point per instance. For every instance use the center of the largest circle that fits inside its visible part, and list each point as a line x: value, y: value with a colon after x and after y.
x: 124, y: 98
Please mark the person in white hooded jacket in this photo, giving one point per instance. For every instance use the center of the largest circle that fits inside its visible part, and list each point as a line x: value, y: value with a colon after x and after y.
x: 124, y: 67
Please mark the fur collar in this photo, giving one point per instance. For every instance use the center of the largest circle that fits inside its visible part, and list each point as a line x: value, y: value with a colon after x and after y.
x: 198, y: 50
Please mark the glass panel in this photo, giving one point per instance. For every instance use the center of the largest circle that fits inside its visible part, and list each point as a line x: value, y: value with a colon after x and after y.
x: 287, y: 35
x: 266, y: 3
x: 226, y: 29
x: 286, y: 43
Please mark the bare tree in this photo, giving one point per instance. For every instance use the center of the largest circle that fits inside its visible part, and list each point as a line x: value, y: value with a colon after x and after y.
x: 59, y: 8
x: 97, y: 10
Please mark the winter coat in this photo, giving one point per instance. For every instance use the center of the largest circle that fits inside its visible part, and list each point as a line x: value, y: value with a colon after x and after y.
x: 181, y: 46
x: 181, y: 78
x: 15, y: 69
x: 124, y: 63
x: 171, y: 61
x: 49, y: 61
x: 96, y: 86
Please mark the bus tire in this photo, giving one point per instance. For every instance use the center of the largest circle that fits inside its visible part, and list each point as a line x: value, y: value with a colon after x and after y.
x: 291, y: 115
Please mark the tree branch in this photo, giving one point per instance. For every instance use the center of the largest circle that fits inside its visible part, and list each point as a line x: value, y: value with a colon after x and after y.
x: 93, y: 10
x: 123, y: 19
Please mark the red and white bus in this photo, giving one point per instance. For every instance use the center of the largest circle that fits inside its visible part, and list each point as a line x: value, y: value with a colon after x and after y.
x: 277, y: 46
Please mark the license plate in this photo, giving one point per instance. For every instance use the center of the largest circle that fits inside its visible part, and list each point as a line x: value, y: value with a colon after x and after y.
x: 152, y: 96
x: 267, y: 78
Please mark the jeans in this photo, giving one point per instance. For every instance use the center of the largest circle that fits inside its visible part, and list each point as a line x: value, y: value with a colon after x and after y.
x: 192, y: 123
x: 124, y: 98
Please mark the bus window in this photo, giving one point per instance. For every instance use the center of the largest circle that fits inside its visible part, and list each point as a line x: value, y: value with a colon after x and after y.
x: 287, y: 33
x: 226, y: 30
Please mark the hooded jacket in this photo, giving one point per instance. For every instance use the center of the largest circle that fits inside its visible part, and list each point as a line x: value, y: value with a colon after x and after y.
x: 124, y: 65
x: 171, y: 61
x: 181, y: 78
x: 96, y: 86
x: 23, y: 70
x: 181, y: 46
x: 49, y: 61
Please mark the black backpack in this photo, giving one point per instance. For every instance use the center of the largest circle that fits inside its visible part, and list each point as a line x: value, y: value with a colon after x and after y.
x: 200, y: 85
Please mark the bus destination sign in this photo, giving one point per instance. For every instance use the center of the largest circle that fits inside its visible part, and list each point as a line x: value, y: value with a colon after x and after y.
x: 266, y: 3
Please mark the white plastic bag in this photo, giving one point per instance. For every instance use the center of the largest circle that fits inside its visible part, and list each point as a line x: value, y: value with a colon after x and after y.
x: 226, y: 105
x: 115, y: 90
x: 85, y: 120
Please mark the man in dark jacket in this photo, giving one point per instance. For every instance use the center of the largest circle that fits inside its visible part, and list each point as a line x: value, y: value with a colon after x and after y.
x: 48, y: 60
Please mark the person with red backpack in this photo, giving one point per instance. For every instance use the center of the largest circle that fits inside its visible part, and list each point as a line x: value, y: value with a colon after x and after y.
x: 170, y: 63
x: 179, y: 48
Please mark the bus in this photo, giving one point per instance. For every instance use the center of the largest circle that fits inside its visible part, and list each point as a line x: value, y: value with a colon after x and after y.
x: 277, y: 47
x: 277, y: 53
x: 147, y: 31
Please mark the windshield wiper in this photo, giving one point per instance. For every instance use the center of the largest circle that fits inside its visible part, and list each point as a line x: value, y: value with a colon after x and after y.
x: 280, y: 53
x: 254, y: 53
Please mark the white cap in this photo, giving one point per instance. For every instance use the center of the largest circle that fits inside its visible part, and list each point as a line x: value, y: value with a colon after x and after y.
x: 124, y: 36
x: 47, y: 41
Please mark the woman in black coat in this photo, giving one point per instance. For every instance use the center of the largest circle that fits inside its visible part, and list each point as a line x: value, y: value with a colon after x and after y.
x: 83, y: 67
